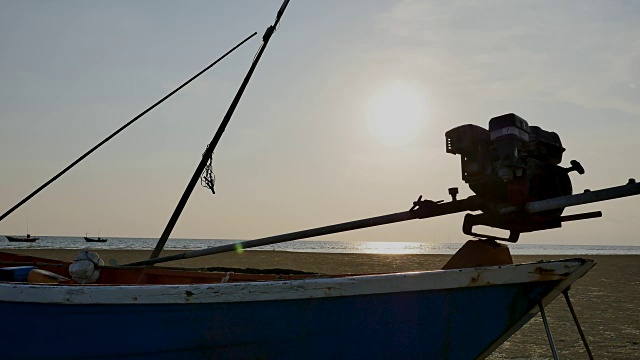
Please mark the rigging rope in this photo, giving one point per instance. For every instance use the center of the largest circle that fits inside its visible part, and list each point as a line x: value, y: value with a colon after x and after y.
x: 36, y: 191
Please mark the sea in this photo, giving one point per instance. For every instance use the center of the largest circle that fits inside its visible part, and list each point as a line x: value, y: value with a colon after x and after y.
x: 324, y: 246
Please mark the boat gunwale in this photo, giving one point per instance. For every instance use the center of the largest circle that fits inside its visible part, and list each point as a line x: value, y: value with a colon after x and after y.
x: 556, y: 270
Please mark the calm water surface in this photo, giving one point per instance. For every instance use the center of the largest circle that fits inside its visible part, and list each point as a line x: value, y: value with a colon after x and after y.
x: 62, y: 242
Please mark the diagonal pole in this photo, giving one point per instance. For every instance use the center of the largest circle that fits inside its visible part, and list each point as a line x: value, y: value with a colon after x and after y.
x: 216, y: 138
x: 428, y: 210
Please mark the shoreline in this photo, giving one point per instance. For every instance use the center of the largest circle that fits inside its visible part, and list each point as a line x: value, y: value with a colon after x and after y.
x: 325, y: 263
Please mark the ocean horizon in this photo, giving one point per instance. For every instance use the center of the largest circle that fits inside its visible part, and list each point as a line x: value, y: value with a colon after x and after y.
x: 316, y: 246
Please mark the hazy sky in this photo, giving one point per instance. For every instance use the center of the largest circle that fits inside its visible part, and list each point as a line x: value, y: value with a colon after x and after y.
x: 343, y: 119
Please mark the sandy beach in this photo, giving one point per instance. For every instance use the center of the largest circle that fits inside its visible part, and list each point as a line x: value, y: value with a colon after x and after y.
x: 606, y: 299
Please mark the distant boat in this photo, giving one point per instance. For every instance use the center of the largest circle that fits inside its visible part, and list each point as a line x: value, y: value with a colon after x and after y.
x: 99, y: 239
x: 22, y: 239
x: 28, y: 238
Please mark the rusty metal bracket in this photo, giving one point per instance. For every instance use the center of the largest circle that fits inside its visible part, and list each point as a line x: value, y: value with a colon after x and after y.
x: 422, y: 204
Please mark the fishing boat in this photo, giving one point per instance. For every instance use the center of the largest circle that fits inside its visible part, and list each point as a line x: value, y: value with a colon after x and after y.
x: 98, y: 240
x: 94, y: 240
x: 27, y: 238
x: 463, y: 311
x: 456, y: 314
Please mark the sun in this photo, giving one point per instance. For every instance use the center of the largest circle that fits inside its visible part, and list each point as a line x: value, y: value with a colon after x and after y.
x: 396, y: 113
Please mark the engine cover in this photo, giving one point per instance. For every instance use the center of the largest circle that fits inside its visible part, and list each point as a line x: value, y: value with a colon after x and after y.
x: 511, y: 162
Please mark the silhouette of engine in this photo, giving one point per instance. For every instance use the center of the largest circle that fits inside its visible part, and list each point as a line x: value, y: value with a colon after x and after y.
x: 511, y: 164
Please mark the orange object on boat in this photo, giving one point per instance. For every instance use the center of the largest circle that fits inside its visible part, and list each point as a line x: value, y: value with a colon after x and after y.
x: 45, y: 277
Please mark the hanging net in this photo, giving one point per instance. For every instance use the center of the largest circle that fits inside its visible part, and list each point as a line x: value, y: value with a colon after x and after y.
x: 208, y: 178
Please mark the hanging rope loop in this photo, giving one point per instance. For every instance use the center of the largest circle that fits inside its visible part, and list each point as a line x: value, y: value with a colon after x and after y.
x: 208, y: 178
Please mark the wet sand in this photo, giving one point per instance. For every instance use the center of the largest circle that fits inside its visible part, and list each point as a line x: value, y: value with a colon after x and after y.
x: 607, y: 299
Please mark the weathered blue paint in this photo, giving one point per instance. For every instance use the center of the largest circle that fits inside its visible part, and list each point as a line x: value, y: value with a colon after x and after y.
x: 437, y: 324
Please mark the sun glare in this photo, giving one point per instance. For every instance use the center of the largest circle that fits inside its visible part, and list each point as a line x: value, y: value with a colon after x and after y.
x: 387, y: 247
x: 396, y: 113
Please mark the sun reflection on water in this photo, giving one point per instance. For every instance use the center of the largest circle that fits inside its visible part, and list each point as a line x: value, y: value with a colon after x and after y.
x: 388, y: 247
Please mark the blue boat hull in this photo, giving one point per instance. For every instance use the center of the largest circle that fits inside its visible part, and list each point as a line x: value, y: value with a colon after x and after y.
x: 457, y: 323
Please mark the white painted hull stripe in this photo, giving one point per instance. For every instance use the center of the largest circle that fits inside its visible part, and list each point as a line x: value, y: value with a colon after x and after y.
x: 293, y: 289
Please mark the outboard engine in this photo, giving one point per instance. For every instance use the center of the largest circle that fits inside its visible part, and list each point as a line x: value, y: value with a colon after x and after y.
x: 511, y: 164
